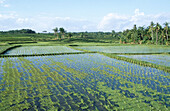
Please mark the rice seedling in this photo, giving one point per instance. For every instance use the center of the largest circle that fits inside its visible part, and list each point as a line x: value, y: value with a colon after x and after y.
x: 32, y: 50
x: 125, y: 49
x: 156, y: 59
x: 81, y: 82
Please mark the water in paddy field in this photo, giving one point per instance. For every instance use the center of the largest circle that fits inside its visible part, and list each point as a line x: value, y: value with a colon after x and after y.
x: 28, y: 50
x: 126, y: 49
x: 160, y: 59
x: 81, y: 82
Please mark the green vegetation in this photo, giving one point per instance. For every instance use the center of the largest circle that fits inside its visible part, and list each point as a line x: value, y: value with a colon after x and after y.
x: 159, y: 59
x: 6, y: 48
x: 124, y: 49
x: 139, y: 62
x: 153, y: 34
x: 85, y: 70
x: 80, y: 82
x: 29, y: 50
x: 3, y: 48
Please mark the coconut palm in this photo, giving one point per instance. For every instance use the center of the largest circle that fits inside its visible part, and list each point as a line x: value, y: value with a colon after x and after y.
x: 151, y: 28
x: 135, y: 33
x: 62, y: 31
x: 163, y: 35
x: 166, y: 28
x: 56, y: 32
x: 157, y: 28
x: 113, y: 33
x: 69, y: 35
x: 141, y: 30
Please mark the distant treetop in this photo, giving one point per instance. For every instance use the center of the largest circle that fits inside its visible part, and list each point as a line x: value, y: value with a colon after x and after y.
x: 20, y: 31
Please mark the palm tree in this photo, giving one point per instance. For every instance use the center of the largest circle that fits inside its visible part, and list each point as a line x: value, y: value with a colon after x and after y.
x: 162, y: 36
x: 113, y: 33
x: 56, y: 32
x: 151, y: 29
x: 69, y: 35
x: 81, y: 35
x: 62, y: 31
x: 141, y: 30
x: 157, y: 28
x: 166, y: 28
x: 135, y: 33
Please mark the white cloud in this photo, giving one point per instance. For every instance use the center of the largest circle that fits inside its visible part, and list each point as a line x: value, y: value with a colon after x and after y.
x: 6, y: 5
x: 117, y: 22
x: 3, y: 4
x: 39, y: 23
x: 2, y: 1
x: 112, y: 21
x: 137, y: 12
x: 22, y: 20
x: 9, y: 15
x: 137, y: 15
x: 70, y: 24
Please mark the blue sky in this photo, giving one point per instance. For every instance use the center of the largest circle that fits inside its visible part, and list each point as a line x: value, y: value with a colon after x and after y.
x: 81, y: 15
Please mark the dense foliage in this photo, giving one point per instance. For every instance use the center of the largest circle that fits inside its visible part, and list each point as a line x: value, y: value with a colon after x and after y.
x: 25, y: 31
x: 153, y: 34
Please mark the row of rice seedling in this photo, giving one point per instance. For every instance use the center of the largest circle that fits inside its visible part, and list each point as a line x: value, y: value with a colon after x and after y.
x: 160, y: 61
x: 139, y: 62
x: 30, y: 50
x: 81, y: 82
x: 126, y: 49
x: 37, y: 85
x: 166, y: 75
x: 156, y: 59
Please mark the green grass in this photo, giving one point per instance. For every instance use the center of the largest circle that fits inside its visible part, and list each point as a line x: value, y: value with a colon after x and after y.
x: 3, y: 48
x: 5, y: 39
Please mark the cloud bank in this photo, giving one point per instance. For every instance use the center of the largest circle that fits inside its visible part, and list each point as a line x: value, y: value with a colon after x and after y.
x: 12, y: 21
x: 3, y: 4
x: 111, y: 21
x: 118, y: 22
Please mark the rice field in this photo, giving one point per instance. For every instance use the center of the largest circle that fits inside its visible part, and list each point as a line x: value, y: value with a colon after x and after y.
x: 29, y: 50
x: 126, y: 49
x: 156, y: 59
x: 81, y: 82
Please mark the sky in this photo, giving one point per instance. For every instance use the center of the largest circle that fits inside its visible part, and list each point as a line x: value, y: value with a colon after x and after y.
x: 81, y: 15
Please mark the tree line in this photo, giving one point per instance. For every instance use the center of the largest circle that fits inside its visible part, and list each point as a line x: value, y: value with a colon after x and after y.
x: 153, y: 34
x: 23, y: 31
x: 61, y: 33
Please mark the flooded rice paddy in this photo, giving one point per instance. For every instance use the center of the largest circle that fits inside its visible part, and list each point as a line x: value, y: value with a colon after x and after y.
x: 159, y: 59
x: 126, y: 49
x: 28, y: 50
x: 81, y: 82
